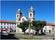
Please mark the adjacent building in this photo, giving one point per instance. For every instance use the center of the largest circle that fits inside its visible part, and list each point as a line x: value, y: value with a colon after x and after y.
x: 7, y: 24
x: 49, y: 28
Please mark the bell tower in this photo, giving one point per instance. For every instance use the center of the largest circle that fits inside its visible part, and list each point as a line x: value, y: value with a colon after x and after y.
x: 31, y: 14
x: 18, y: 17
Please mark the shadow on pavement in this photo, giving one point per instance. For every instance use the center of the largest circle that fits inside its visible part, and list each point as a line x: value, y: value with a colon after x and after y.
x: 10, y: 36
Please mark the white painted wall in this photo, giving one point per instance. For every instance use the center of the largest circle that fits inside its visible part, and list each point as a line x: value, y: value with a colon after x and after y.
x: 47, y: 28
x: 5, y: 25
x: 25, y: 19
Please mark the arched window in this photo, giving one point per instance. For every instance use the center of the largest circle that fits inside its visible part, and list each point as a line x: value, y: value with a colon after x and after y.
x: 30, y: 15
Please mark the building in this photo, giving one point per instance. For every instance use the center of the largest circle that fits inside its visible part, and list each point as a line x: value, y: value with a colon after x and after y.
x: 31, y: 14
x: 20, y: 18
x: 49, y: 28
x: 7, y: 24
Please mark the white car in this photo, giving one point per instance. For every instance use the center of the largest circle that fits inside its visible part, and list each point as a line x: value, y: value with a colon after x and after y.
x: 5, y: 31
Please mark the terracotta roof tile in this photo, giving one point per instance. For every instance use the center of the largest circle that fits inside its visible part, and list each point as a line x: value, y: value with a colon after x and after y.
x: 50, y: 24
x: 7, y: 21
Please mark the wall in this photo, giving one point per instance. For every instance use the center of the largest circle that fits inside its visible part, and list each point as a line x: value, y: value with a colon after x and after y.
x: 47, y: 29
x: 7, y: 25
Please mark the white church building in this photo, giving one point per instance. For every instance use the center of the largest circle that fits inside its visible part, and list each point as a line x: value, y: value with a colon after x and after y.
x: 20, y: 18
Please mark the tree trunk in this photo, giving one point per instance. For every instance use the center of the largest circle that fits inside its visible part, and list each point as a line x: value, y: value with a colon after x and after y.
x: 37, y: 32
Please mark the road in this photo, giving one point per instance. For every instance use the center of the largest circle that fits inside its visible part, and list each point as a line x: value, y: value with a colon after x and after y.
x: 11, y: 36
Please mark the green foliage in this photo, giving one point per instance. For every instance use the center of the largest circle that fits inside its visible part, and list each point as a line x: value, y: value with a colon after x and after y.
x: 37, y: 25
x: 24, y: 25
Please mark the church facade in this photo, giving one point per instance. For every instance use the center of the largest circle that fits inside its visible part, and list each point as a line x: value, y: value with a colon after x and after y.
x: 20, y: 18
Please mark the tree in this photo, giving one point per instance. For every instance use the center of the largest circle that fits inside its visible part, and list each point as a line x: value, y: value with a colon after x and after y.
x: 38, y: 25
x: 43, y: 23
x: 24, y: 25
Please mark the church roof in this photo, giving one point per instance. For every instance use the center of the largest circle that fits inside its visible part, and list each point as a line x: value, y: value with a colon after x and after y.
x: 50, y: 24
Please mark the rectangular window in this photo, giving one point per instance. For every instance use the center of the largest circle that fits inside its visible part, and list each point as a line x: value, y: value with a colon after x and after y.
x: 4, y: 23
x: 49, y: 31
x: 1, y: 23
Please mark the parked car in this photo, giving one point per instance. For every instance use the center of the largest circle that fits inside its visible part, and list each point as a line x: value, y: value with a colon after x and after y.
x: 5, y: 31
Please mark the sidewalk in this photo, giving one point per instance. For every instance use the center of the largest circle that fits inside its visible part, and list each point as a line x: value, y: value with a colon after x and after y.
x: 26, y: 37
x: 35, y: 39
x: 47, y: 39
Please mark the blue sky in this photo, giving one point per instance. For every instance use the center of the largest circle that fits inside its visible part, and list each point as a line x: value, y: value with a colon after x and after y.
x: 44, y: 10
x: 27, y: 0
